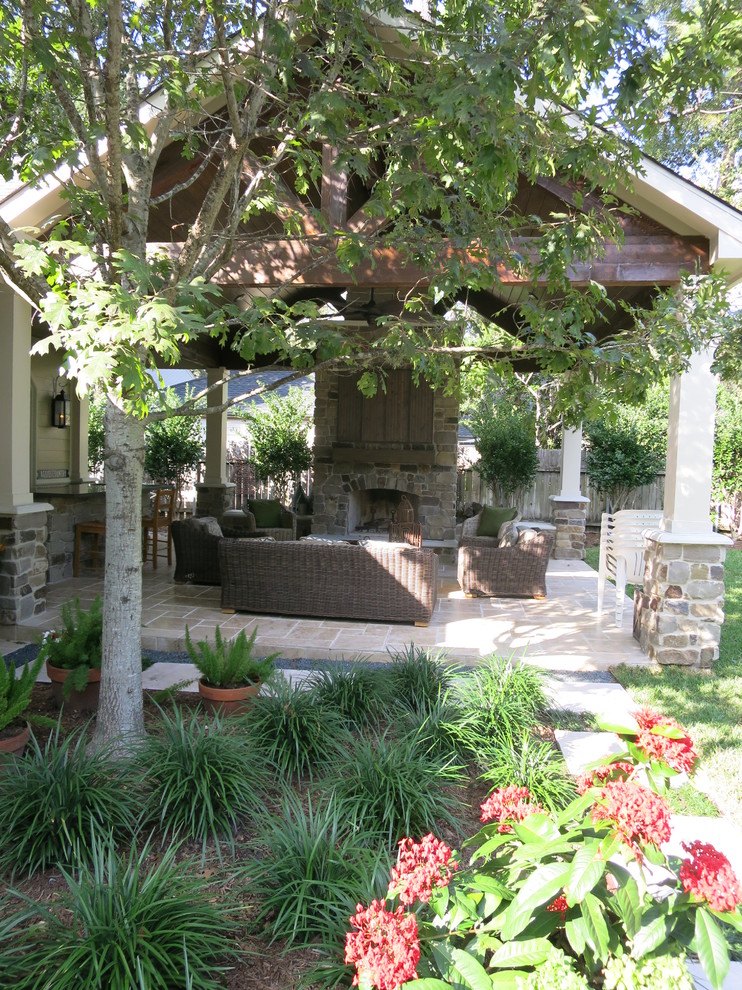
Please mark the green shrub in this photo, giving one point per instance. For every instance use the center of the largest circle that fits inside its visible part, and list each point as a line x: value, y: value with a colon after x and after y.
x: 126, y: 922
x: 313, y: 872
x: 506, y: 442
x: 54, y: 799
x: 531, y: 763
x: 229, y: 664
x: 279, y: 436
x: 290, y: 731
x: 620, y: 460
x: 500, y: 698
x: 357, y: 693
x: 200, y: 779
x: 417, y: 677
x: 397, y: 784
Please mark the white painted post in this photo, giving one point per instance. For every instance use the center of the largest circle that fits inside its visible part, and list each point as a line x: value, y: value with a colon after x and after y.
x: 571, y: 462
x: 690, y: 449
x: 15, y: 401
x: 79, y: 461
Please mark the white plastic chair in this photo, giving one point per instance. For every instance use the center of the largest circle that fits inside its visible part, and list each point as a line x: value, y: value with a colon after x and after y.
x: 622, y: 551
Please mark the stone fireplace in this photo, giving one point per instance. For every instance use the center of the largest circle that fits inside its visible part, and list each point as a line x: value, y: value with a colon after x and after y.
x: 368, y: 452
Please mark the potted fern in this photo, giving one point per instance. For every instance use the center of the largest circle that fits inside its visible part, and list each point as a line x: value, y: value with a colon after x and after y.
x: 230, y: 675
x: 73, y: 655
x: 15, y: 697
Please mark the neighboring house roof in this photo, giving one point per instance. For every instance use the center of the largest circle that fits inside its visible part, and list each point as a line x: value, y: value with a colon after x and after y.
x: 246, y: 383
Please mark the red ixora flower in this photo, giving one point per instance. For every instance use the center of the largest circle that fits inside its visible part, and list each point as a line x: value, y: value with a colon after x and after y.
x: 384, y: 948
x: 619, y: 770
x: 509, y: 804
x: 709, y: 875
x: 680, y: 754
x: 420, y: 867
x: 559, y: 904
x: 639, y: 815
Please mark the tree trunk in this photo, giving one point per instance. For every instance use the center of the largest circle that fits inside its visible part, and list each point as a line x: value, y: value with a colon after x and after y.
x: 120, y: 711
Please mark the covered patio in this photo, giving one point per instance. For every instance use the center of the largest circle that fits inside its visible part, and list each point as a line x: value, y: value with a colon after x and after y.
x: 563, y: 633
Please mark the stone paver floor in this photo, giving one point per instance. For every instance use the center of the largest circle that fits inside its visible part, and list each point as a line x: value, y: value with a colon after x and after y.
x: 562, y: 633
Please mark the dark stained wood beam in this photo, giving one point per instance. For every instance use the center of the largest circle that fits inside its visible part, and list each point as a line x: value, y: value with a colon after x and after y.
x: 641, y: 260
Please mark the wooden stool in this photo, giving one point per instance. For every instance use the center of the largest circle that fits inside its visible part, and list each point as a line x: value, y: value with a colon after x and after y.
x: 96, y: 529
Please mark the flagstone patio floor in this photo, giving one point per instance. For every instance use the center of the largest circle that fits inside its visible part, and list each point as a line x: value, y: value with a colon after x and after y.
x: 561, y: 633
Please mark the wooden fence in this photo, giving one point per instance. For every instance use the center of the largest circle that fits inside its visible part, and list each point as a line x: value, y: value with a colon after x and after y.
x: 535, y: 503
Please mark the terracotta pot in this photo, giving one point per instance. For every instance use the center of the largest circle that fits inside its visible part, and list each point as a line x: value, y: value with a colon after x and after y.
x: 14, y: 745
x: 79, y: 701
x: 228, y: 701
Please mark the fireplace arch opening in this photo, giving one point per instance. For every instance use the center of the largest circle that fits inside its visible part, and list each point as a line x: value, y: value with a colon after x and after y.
x: 370, y: 510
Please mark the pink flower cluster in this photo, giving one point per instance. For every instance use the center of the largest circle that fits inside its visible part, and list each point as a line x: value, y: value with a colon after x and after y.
x: 709, y: 875
x: 680, y: 754
x: 509, y: 804
x: 639, y: 815
x: 619, y: 770
x: 420, y: 867
x: 384, y: 948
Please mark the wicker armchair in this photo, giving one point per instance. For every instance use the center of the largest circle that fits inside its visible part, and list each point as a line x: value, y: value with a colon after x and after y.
x: 196, y: 553
x: 238, y: 523
x: 484, y: 568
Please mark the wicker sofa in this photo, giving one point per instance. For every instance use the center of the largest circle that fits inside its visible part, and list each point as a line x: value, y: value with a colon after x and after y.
x: 485, y: 568
x: 382, y: 582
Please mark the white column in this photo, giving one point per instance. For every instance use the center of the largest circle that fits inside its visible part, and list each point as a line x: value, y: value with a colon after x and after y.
x: 571, y: 462
x: 690, y: 449
x: 215, y: 467
x: 79, y: 462
x: 15, y: 401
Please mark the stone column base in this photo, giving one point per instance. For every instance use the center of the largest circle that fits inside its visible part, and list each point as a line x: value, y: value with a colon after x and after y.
x: 679, y: 612
x: 568, y: 516
x: 23, y: 564
x: 214, y: 500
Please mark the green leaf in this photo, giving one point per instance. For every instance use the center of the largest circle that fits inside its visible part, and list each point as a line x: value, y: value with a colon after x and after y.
x: 628, y: 903
x: 712, y: 948
x: 472, y: 972
x: 651, y: 935
x: 576, y: 932
x: 427, y: 983
x: 593, y: 913
x: 621, y: 730
x: 586, y: 871
x: 506, y: 979
x: 541, y: 886
x: 529, y: 952
x: 536, y: 827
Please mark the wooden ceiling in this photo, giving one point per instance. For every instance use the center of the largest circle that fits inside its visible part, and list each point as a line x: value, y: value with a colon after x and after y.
x: 265, y: 261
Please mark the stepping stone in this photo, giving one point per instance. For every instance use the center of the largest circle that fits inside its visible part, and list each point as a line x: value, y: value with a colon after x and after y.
x: 581, y: 749
x: 603, y: 698
x: 732, y: 982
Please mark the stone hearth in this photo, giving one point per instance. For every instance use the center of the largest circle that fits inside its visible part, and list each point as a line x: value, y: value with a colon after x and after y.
x: 345, y: 471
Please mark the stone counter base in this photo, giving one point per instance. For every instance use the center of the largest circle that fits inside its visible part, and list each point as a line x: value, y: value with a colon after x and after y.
x: 679, y: 612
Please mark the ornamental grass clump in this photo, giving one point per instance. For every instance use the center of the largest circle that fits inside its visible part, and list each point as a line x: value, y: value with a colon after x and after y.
x: 312, y: 871
x: 56, y: 798
x: 397, y: 784
x: 543, y: 900
x: 291, y: 732
x: 356, y: 693
x: 532, y: 763
x: 200, y: 779
x: 124, y: 922
x: 416, y: 677
x: 502, y: 699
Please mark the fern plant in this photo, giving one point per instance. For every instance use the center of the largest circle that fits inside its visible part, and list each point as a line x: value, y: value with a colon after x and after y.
x: 78, y: 646
x: 229, y: 664
x: 15, y: 689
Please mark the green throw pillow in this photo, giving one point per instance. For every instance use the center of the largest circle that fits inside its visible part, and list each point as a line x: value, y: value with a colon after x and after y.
x: 267, y: 512
x: 492, y: 518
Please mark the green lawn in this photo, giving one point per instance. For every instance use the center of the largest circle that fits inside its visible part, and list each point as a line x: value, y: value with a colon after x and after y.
x: 708, y: 705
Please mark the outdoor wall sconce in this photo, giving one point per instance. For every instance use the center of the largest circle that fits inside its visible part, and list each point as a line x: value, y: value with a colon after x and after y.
x: 60, y: 410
